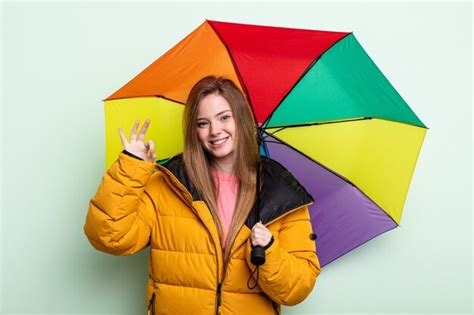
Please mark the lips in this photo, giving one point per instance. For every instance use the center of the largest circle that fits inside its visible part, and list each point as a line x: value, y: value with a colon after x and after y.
x: 219, y: 141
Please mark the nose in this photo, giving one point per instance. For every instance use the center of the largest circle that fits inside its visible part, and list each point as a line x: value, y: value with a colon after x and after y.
x: 215, y: 129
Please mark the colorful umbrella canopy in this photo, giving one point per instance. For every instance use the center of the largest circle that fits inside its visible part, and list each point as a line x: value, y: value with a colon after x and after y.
x: 328, y: 115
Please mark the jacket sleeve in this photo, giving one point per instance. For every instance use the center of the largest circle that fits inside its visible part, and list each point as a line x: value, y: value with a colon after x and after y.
x: 291, y: 264
x: 121, y: 214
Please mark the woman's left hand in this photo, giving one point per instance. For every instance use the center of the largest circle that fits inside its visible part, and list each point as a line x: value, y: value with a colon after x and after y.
x: 260, y: 236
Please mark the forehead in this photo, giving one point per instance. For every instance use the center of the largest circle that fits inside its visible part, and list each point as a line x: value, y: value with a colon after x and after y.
x: 211, y: 105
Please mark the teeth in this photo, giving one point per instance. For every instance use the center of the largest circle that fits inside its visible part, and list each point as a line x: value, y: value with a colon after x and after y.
x: 219, y: 141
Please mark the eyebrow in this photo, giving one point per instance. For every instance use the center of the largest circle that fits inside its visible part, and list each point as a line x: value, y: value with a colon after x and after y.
x: 227, y: 110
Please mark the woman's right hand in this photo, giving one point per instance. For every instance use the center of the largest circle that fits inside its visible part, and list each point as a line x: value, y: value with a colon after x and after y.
x: 136, y: 146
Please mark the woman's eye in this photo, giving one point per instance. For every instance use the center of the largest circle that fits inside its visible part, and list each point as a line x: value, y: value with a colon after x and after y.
x: 225, y: 117
x: 201, y: 124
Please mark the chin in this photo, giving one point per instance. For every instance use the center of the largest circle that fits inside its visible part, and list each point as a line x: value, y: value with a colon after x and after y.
x: 221, y: 156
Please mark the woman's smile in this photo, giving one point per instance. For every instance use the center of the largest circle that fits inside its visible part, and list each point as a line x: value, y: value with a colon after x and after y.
x: 218, y: 143
x: 216, y: 129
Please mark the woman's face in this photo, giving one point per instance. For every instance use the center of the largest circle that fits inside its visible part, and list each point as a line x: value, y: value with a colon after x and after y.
x: 216, y: 128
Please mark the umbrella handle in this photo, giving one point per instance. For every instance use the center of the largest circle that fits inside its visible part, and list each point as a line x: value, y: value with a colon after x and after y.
x: 257, y: 256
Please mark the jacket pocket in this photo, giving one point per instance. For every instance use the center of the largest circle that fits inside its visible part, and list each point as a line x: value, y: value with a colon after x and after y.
x: 151, y: 305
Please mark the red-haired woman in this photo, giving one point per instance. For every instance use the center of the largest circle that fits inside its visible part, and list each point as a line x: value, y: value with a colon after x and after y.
x: 197, y: 213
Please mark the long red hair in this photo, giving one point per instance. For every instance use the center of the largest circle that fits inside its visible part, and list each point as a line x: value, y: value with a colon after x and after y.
x: 197, y: 161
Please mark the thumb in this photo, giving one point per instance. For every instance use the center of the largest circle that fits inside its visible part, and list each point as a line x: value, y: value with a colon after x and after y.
x: 256, y: 225
x: 151, y: 146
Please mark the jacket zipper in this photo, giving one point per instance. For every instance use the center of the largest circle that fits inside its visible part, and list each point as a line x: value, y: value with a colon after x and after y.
x: 151, y: 305
x: 216, y: 246
x: 275, y: 307
x: 218, y: 297
x: 219, y: 284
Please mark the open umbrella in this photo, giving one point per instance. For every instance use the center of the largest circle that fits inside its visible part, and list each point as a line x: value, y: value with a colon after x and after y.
x: 325, y: 110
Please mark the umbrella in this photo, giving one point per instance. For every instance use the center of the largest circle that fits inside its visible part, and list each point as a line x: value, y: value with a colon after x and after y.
x: 326, y: 112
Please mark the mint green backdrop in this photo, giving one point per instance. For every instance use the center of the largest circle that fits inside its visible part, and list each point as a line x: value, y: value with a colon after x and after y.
x: 60, y: 60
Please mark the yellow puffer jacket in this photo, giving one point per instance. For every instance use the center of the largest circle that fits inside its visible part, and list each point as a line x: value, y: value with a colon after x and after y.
x: 139, y: 203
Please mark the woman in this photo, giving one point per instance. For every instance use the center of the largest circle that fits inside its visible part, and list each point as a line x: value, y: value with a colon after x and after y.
x: 195, y: 212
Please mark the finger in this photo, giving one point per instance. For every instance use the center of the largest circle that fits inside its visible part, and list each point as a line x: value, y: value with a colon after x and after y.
x: 258, y: 242
x: 260, y: 235
x: 254, y: 242
x: 141, y: 135
x: 133, y: 135
x: 152, y: 145
x: 123, y: 138
x: 147, y: 146
x: 256, y: 226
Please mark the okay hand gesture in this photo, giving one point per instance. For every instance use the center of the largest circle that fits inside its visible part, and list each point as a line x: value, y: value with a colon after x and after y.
x: 136, y: 146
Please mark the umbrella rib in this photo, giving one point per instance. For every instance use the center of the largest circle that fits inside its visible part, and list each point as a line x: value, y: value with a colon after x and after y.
x: 170, y: 99
x: 144, y: 96
x: 300, y: 78
x: 270, y: 141
x: 335, y: 173
x: 344, y: 253
x: 310, y: 158
x: 338, y: 121
x: 236, y: 69
x: 315, y: 123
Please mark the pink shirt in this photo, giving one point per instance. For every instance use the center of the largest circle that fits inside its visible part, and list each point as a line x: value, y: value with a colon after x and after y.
x: 226, y: 199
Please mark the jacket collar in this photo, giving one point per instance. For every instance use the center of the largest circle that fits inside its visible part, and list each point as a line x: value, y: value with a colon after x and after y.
x: 281, y: 192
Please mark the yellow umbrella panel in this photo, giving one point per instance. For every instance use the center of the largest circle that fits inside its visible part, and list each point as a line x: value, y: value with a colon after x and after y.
x: 165, y: 128
x: 377, y: 156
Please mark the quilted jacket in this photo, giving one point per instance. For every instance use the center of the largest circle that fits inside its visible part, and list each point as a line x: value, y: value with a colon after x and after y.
x: 140, y: 204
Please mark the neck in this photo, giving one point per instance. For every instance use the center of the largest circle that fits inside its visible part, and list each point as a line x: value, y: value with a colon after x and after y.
x: 224, y: 165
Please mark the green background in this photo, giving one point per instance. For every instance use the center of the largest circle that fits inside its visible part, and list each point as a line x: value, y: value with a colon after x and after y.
x: 60, y: 60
